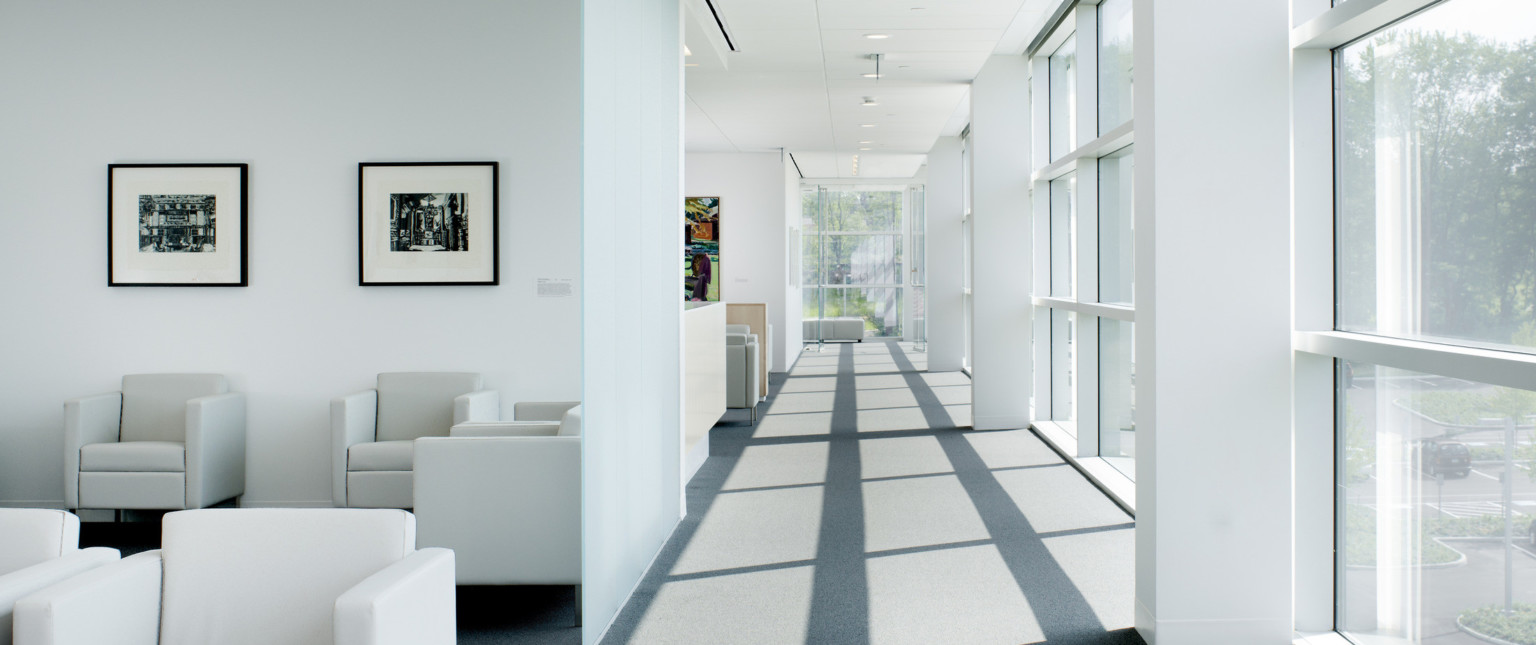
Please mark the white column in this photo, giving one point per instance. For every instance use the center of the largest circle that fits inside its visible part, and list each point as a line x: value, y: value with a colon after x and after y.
x: 1213, y: 284
x: 631, y: 306
x: 946, y: 256
x: 1001, y: 252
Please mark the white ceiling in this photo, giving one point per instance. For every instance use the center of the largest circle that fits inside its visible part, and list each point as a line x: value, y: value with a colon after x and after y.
x: 795, y: 80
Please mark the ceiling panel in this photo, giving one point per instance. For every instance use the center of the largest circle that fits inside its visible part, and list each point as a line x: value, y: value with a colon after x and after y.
x: 797, y: 82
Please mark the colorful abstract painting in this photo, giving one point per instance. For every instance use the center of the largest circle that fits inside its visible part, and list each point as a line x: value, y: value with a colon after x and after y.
x: 701, y: 249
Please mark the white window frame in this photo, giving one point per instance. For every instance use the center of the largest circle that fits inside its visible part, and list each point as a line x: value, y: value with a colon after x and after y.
x: 1078, y: 440
x: 1319, y: 29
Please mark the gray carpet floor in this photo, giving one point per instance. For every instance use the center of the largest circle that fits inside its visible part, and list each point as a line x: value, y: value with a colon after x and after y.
x: 862, y: 509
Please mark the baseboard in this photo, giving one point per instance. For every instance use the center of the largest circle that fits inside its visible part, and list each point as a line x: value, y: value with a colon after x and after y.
x: 1012, y: 422
x: 32, y: 503
x: 1213, y: 632
x: 246, y: 503
x: 1146, y: 623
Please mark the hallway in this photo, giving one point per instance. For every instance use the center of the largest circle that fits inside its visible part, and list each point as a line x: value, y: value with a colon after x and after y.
x: 862, y: 509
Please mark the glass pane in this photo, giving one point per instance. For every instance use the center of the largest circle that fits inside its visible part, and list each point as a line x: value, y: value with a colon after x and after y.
x: 1436, y: 212
x: 1435, y: 499
x: 1063, y: 68
x: 1063, y: 223
x: 1115, y: 64
x: 1064, y: 369
x: 879, y: 307
x: 863, y: 210
x: 1117, y: 230
x: 1117, y: 395
x: 863, y: 259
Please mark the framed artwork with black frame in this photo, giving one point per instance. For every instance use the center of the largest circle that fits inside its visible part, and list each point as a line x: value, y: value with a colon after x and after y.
x: 177, y: 225
x: 428, y: 223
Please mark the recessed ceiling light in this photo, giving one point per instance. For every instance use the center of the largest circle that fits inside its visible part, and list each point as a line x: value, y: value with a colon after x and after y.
x: 866, y: 125
x: 686, y: 51
x: 865, y: 143
x: 866, y: 148
x: 877, y: 36
x: 870, y: 75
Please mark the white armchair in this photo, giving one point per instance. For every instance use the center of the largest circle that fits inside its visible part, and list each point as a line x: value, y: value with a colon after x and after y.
x: 372, y: 431
x: 39, y: 547
x: 249, y: 576
x: 506, y: 497
x: 742, y: 371
x: 166, y: 441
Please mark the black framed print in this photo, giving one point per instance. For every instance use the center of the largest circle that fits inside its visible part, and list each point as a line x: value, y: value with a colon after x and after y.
x: 177, y: 225
x: 430, y: 223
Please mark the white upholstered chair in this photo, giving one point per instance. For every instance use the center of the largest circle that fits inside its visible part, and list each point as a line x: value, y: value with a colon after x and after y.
x: 166, y: 441
x: 39, y: 547
x: 742, y: 370
x: 258, y: 576
x: 506, y: 497
x: 372, y: 431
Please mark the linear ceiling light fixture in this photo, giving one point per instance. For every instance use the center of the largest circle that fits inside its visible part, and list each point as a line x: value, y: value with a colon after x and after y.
x: 876, y: 74
x: 877, y: 36
x: 869, y: 101
x: 720, y: 22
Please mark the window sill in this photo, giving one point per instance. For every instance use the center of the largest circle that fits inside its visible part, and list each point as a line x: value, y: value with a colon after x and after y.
x: 1105, y: 477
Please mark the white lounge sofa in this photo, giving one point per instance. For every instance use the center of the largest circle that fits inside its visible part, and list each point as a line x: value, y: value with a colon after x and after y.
x: 372, y: 431
x: 258, y: 576
x: 40, y: 547
x: 743, y: 370
x: 851, y: 329
x: 506, y: 497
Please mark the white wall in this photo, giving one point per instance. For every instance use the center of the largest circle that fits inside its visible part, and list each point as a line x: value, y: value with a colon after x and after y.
x: 1213, y: 289
x: 754, y: 223
x: 302, y: 92
x: 632, y: 240
x: 946, y: 256
x: 1000, y: 283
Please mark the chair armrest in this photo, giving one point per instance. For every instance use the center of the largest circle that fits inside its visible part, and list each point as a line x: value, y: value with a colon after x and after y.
x: 484, y: 405
x: 541, y: 410
x: 410, y: 602
x: 18, y: 584
x: 215, y: 448
x: 505, y: 429
x: 89, y: 419
x: 118, y: 603
x: 353, y: 421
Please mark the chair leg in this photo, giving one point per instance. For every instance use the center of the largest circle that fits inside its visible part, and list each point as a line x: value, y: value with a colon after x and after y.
x: 578, y: 605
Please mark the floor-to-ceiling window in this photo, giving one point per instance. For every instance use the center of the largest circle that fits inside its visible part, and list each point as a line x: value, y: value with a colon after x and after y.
x: 1423, y: 255
x: 1084, y: 382
x: 854, y: 257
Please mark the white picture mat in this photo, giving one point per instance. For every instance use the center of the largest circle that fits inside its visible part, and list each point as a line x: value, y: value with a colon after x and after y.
x: 219, y: 266
x: 380, y: 264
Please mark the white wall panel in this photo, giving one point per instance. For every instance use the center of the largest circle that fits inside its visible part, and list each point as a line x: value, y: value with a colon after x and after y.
x: 632, y: 246
x: 946, y: 256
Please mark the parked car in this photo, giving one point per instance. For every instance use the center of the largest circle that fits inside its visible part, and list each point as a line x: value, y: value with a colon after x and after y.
x: 1449, y: 457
